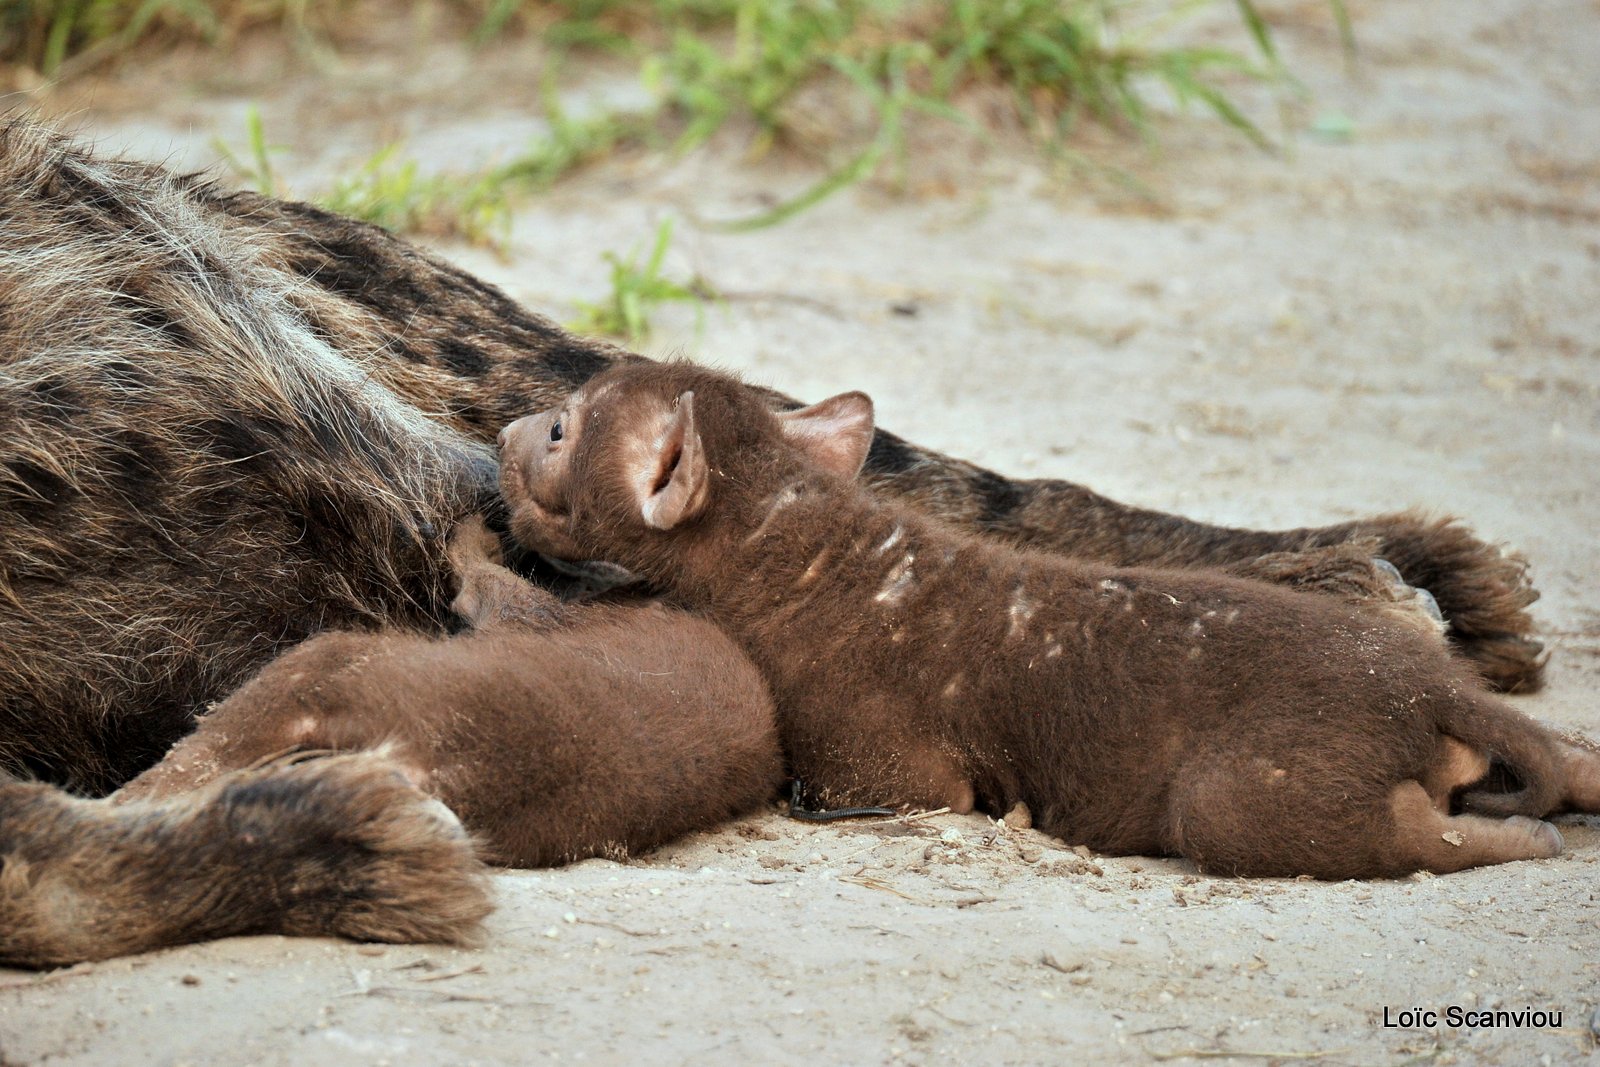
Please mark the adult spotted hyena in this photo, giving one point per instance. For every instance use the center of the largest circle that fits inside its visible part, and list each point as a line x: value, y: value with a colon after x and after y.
x: 231, y: 422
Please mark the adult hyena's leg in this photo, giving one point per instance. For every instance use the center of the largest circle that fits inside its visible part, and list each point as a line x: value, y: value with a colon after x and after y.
x: 341, y: 846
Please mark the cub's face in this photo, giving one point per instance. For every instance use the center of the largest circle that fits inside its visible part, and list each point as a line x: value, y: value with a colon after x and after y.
x: 535, y: 472
x: 620, y: 470
x: 615, y: 465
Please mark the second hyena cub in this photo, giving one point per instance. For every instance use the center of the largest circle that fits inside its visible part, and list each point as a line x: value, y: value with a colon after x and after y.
x: 1252, y: 729
x: 554, y: 731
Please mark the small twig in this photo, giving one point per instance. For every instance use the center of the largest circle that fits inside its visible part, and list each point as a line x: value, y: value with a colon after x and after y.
x: 863, y: 851
x: 1249, y: 1054
x: 873, y: 883
x: 476, y: 968
x: 919, y: 816
x: 772, y: 297
x: 52, y: 976
x: 619, y: 928
x: 435, y: 996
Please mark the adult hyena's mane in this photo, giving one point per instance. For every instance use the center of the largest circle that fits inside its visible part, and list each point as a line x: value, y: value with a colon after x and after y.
x: 210, y: 449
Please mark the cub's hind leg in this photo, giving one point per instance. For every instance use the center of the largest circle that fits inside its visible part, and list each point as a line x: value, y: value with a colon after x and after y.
x: 1296, y: 814
x: 1455, y: 767
x: 1426, y: 838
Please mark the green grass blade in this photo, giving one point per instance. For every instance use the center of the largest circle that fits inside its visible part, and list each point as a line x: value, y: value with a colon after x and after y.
x: 1258, y: 29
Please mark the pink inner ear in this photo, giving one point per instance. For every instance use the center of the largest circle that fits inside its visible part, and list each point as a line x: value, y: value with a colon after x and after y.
x: 834, y: 434
x: 677, y: 490
x: 669, y: 464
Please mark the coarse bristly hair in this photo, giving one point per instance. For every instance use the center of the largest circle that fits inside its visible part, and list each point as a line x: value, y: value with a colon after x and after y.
x: 191, y: 474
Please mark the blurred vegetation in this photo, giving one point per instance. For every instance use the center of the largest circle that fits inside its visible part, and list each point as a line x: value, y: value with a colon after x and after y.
x: 710, y: 61
x: 638, y: 287
x: 755, y: 65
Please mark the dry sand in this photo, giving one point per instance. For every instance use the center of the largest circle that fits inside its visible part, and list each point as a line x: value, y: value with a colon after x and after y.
x: 1407, y: 317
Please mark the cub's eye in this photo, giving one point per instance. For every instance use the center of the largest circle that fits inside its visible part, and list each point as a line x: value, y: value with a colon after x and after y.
x: 555, y: 431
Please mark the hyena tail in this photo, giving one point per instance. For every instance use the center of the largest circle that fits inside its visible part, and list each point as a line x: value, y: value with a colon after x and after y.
x: 1525, y: 776
x: 338, y: 846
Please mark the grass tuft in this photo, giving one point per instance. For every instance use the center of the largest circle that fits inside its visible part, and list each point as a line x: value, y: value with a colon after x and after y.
x: 637, y: 289
x: 390, y: 192
x: 757, y: 65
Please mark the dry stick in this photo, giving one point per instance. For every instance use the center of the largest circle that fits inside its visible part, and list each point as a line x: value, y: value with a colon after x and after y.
x: 755, y: 296
x: 873, y: 883
x: 476, y: 968
x: 74, y: 971
x: 435, y: 996
x: 619, y: 928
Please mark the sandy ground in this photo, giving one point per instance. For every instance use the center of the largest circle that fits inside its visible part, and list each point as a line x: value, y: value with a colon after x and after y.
x: 1407, y: 317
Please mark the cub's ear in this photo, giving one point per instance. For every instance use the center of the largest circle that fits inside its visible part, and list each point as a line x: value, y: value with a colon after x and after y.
x: 834, y: 434
x: 673, y: 476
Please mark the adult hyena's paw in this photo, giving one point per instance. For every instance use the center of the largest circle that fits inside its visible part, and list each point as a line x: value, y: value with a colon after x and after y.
x: 1482, y: 590
x: 406, y: 870
x: 343, y: 845
x: 1350, y: 571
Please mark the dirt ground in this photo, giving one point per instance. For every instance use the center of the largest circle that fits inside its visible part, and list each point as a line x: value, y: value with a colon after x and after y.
x: 1404, y: 316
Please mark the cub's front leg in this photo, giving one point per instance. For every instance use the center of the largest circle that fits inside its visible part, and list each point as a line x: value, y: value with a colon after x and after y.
x: 489, y: 593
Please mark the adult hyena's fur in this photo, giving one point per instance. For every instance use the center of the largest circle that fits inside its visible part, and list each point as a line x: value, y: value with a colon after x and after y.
x: 231, y: 422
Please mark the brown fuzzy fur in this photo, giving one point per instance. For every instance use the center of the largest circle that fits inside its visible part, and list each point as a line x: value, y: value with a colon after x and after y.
x: 555, y: 732
x: 1251, y: 728
x: 233, y: 422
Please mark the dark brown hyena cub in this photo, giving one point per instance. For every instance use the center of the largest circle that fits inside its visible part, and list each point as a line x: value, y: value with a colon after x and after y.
x: 1250, y: 728
x: 553, y: 731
